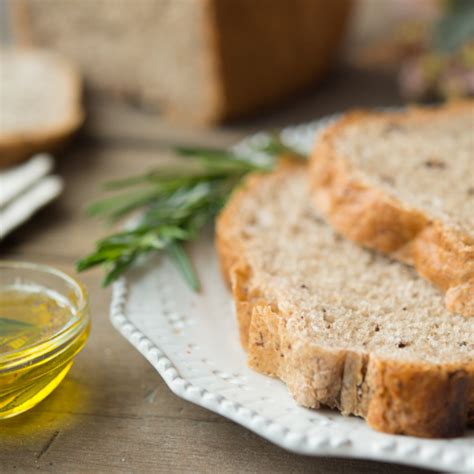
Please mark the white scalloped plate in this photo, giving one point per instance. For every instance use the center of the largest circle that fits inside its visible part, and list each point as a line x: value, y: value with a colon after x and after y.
x: 192, y: 341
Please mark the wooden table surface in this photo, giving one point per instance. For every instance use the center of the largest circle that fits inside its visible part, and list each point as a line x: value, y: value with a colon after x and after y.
x: 113, y: 412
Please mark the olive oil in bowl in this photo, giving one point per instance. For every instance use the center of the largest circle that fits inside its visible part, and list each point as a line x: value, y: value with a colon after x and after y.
x: 44, y: 322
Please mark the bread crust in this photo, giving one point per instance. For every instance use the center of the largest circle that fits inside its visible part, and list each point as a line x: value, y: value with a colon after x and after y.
x: 375, y: 219
x: 239, y: 43
x: 417, y: 399
x: 19, y: 146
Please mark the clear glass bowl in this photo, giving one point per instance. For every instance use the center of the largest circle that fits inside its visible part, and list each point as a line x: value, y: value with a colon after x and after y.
x: 31, y: 371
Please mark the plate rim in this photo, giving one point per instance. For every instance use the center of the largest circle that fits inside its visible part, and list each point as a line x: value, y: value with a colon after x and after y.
x: 290, y: 440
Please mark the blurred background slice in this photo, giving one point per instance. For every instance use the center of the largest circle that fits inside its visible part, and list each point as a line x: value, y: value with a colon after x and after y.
x: 427, y: 44
x: 207, y: 61
x: 202, y: 60
x: 40, y: 102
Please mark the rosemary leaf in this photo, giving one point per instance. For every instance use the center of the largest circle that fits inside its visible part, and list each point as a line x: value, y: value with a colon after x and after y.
x: 118, y: 267
x: 118, y: 206
x: 182, y: 262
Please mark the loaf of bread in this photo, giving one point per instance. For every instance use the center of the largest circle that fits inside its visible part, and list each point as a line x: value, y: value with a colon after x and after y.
x: 204, y: 60
x: 343, y: 327
x: 40, y: 97
x: 403, y: 183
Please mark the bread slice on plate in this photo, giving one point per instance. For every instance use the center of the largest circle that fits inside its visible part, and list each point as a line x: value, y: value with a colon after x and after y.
x: 343, y: 327
x: 403, y: 183
x: 40, y: 97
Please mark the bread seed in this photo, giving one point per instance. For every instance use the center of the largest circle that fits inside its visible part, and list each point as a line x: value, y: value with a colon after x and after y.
x: 435, y: 164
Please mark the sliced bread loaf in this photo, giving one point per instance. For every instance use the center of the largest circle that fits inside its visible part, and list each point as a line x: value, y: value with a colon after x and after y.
x: 40, y: 102
x: 343, y: 327
x: 202, y: 60
x: 403, y: 184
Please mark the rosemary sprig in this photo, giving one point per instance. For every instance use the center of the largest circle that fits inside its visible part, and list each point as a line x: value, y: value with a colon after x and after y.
x: 174, y: 204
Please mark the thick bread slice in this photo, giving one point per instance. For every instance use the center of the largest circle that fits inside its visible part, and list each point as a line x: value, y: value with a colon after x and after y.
x: 403, y: 184
x: 40, y: 102
x: 341, y: 326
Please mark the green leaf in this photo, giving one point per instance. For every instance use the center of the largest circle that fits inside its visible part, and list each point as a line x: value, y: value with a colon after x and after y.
x: 167, y: 178
x: 181, y: 260
x: 118, y: 206
x: 219, y: 159
x: 200, y: 153
x: 118, y: 268
x: 90, y: 261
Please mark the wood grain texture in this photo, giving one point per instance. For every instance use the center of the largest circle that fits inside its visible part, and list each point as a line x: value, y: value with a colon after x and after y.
x: 113, y: 412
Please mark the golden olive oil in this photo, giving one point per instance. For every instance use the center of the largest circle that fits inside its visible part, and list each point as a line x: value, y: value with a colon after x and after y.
x: 37, y: 345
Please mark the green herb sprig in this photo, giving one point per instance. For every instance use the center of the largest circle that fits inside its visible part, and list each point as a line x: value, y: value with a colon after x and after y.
x: 173, y: 205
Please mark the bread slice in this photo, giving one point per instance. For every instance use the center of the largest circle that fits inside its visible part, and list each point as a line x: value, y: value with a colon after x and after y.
x: 343, y: 327
x: 403, y: 183
x: 40, y: 101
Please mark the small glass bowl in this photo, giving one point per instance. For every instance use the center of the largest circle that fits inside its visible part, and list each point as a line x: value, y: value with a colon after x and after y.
x: 31, y: 373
